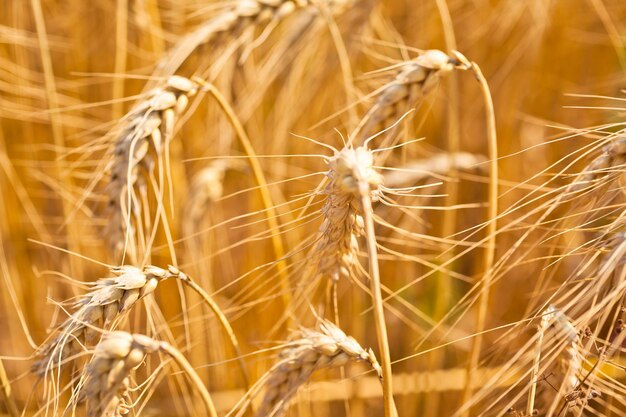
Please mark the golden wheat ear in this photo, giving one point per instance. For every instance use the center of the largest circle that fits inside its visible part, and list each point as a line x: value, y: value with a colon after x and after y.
x: 310, y: 351
x: 107, y: 377
x: 412, y: 81
x: 108, y: 301
x: 145, y: 134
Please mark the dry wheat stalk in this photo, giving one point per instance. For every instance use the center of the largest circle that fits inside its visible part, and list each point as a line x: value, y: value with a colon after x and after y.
x: 107, y: 377
x: 243, y: 17
x: 413, y: 80
x: 107, y: 301
x: 351, y: 169
x: 311, y: 351
x: 149, y: 125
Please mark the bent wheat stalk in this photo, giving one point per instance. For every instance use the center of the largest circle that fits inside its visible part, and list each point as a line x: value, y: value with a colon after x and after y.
x: 107, y: 376
x: 313, y: 350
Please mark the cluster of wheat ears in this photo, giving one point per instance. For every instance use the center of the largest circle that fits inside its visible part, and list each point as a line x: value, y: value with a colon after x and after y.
x: 312, y: 207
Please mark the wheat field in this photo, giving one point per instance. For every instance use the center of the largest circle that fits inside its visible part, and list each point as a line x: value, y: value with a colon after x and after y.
x: 312, y: 208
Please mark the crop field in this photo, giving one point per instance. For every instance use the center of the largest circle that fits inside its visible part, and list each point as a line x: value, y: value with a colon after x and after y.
x: 313, y: 208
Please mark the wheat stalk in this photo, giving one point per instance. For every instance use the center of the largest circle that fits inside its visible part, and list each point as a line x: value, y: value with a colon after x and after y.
x: 311, y: 351
x: 106, y: 378
x: 149, y: 125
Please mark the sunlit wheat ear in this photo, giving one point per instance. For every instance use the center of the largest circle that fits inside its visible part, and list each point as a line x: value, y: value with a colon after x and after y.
x: 612, y: 158
x: 310, y: 351
x: 107, y: 301
x: 147, y: 128
x: 242, y: 18
x: 413, y: 80
x: 110, y: 298
x: 107, y: 377
x: 350, y: 170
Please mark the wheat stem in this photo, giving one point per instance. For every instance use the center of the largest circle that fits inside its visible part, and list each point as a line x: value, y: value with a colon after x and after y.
x: 191, y: 373
x: 377, y: 300
x: 271, y: 214
x: 490, y: 246
x: 225, y: 324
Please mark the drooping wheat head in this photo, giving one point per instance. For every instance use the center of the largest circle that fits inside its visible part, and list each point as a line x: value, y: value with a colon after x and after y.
x: 239, y: 19
x: 149, y: 126
x: 108, y: 300
x: 311, y: 351
x: 413, y: 80
x: 106, y: 380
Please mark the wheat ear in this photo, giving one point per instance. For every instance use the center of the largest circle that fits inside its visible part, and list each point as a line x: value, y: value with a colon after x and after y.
x: 438, y: 165
x: 356, y: 184
x: 567, y: 366
x: 107, y: 375
x: 311, y: 351
x: 243, y: 17
x: 413, y: 80
x: 110, y: 298
x: 547, y: 317
x: 149, y: 125
x: 337, y: 250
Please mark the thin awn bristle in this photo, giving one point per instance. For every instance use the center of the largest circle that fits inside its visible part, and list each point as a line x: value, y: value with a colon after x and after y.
x: 149, y: 125
x: 313, y: 350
